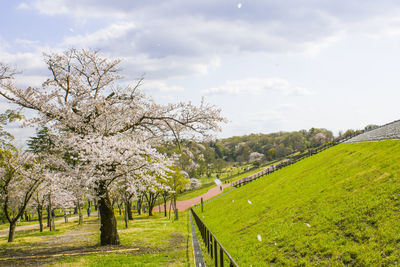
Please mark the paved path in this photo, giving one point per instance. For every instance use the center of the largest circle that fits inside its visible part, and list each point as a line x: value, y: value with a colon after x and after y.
x: 185, y: 204
x: 33, y: 226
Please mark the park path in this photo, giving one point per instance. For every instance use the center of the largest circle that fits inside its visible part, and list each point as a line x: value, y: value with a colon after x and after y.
x: 186, y: 204
x: 33, y: 226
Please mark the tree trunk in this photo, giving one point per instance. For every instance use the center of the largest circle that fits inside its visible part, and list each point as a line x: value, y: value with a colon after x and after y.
x: 165, y: 203
x: 165, y: 207
x: 53, y: 218
x: 139, y: 206
x: 40, y: 218
x: 126, y: 213
x: 11, y: 232
x: 65, y: 216
x: 108, y: 228
x: 170, y: 205
x: 48, y: 217
x: 80, y: 216
x: 130, y: 217
x: 175, y: 208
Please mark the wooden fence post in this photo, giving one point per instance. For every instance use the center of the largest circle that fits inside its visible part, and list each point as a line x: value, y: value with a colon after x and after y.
x: 215, y: 253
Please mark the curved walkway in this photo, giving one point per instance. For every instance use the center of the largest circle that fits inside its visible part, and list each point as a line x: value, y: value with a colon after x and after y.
x: 186, y: 204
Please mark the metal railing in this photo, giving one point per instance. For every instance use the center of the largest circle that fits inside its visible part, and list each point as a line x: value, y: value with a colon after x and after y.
x: 217, y: 252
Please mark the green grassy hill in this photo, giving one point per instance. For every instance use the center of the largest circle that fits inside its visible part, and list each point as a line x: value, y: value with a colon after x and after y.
x: 341, y: 206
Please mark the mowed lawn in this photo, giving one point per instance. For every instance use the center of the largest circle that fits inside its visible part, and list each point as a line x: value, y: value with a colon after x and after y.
x: 338, y: 207
x: 148, y: 241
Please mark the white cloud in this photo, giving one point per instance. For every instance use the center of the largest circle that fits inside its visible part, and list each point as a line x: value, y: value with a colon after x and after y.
x: 156, y: 86
x: 26, y: 43
x: 27, y: 62
x: 23, y: 6
x: 220, y: 26
x: 112, y: 32
x: 257, y: 87
x: 177, y: 38
x: 52, y: 7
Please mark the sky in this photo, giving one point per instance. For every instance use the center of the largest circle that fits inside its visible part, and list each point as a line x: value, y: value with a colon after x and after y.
x: 269, y: 65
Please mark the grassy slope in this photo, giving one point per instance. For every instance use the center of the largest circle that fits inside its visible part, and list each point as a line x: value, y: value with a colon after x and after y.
x: 341, y: 206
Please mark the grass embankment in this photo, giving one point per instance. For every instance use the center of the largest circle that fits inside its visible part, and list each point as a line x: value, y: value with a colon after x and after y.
x: 341, y: 206
x: 148, y: 241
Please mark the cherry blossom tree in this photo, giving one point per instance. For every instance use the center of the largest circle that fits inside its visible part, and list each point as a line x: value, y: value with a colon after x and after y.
x: 255, y: 157
x: 20, y: 176
x: 108, y: 127
x: 54, y: 193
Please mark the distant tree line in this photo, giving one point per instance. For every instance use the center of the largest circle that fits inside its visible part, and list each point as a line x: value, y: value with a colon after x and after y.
x: 203, y: 159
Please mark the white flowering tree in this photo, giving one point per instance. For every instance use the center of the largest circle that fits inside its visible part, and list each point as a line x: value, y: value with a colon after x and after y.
x: 255, y: 157
x: 107, y: 127
x: 20, y: 176
x: 54, y: 192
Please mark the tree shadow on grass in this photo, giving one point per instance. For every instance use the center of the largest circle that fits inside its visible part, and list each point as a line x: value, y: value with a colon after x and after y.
x: 51, y: 255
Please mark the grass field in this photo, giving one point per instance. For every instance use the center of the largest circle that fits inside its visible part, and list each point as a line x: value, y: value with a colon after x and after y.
x: 339, y: 207
x: 148, y: 241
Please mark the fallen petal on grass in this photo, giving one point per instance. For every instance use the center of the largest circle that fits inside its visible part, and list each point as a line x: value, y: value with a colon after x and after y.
x: 259, y: 237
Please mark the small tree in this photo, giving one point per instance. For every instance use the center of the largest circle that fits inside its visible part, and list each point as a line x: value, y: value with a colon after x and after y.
x: 20, y: 175
x: 176, y: 181
x: 256, y: 158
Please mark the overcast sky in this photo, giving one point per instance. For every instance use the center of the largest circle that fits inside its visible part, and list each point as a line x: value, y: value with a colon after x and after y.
x: 270, y: 65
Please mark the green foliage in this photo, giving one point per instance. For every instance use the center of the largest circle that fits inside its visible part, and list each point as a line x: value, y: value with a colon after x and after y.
x: 338, y: 207
x: 41, y: 142
x: 176, y: 180
x: 204, y: 159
